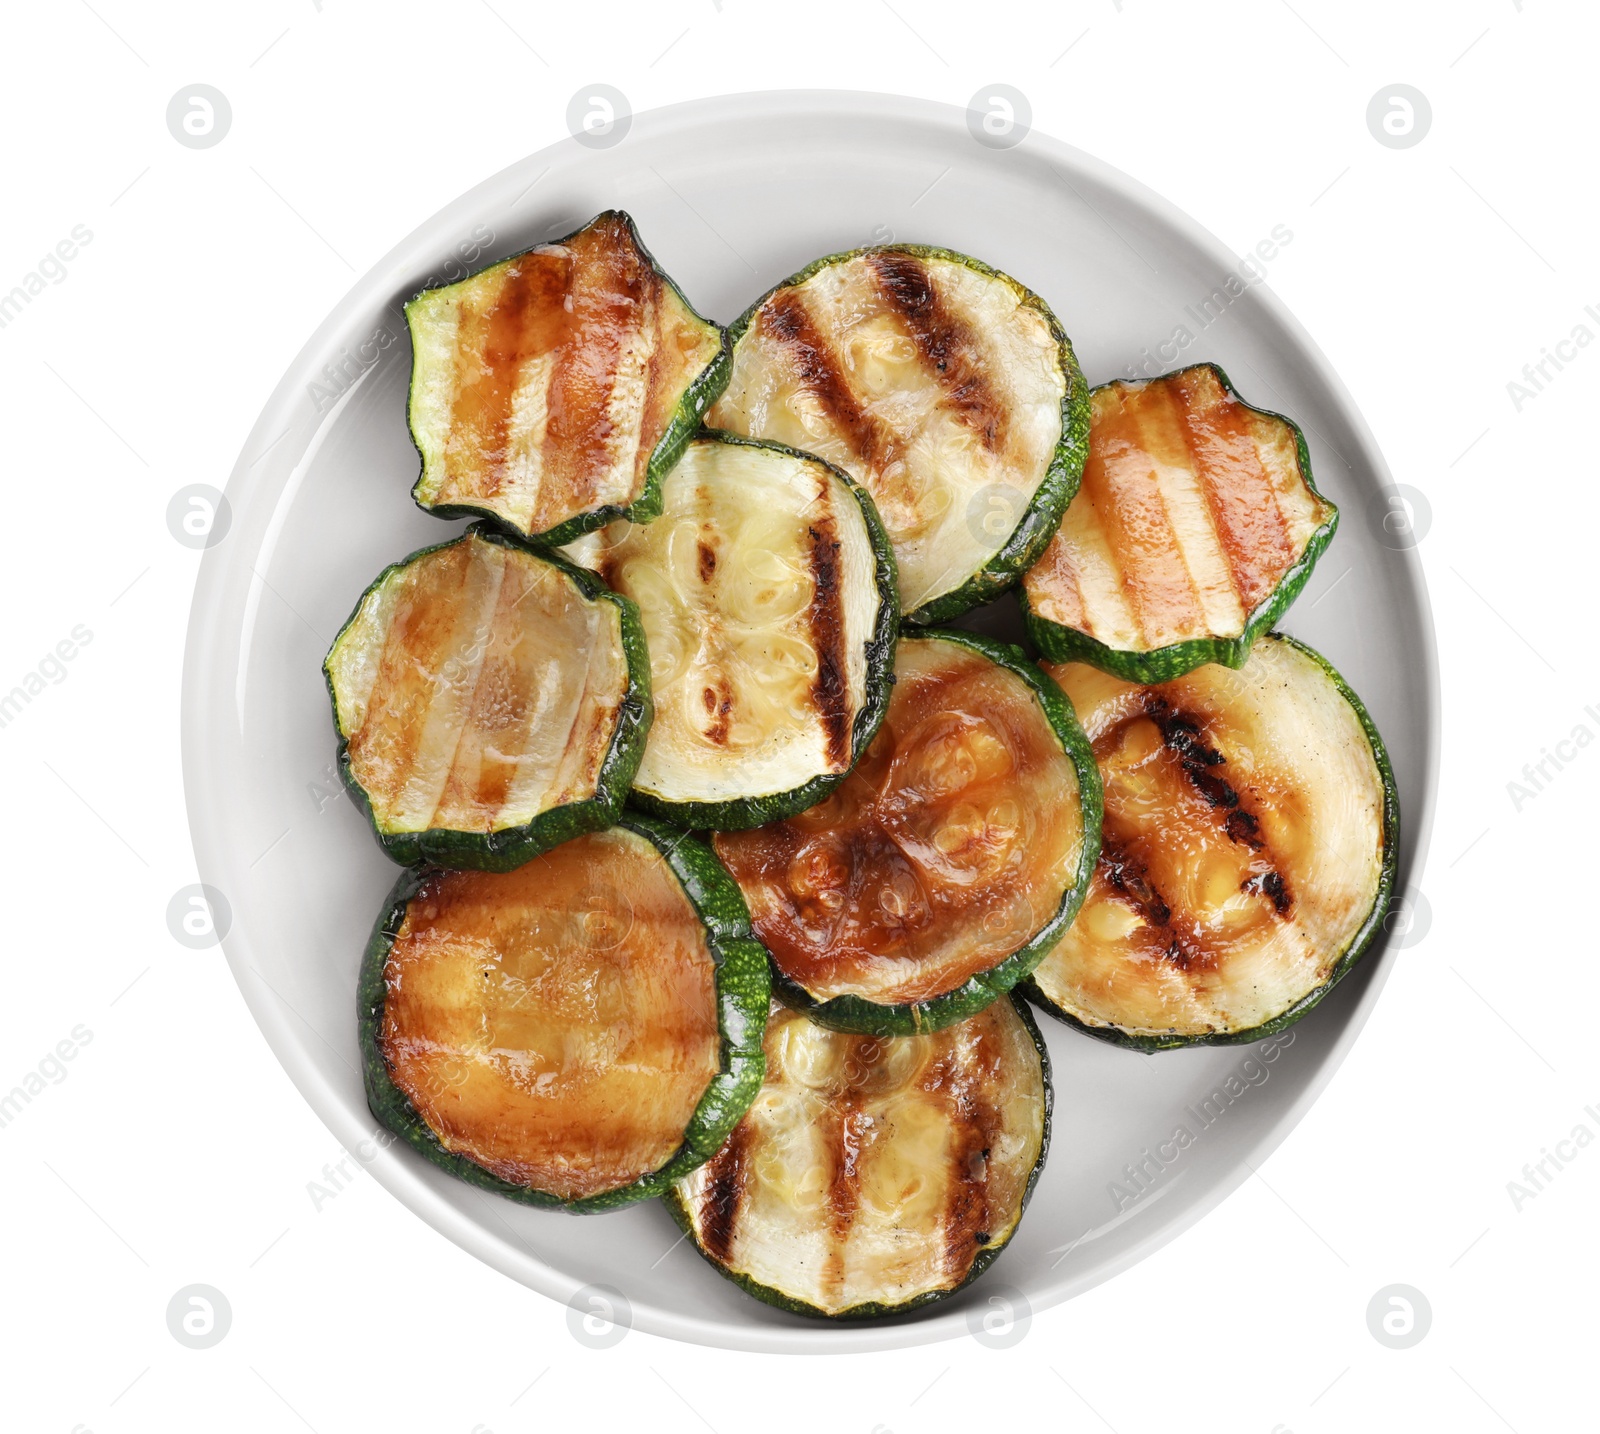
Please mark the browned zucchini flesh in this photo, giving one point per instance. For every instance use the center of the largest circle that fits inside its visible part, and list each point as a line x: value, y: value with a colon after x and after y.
x: 1195, y: 527
x: 940, y: 871
x: 490, y: 701
x: 580, y: 1031
x: 1248, y: 853
x: 552, y: 391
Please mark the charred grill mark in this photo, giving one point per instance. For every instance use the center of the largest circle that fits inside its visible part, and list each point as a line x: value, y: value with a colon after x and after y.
x: 1269, y: 884
x: 1186, y: 956
x: 1179, y: 956
x: 525, y: 320
x: 830, y: 687
x: 727, y: 1175
x: 843, y: 1196
x: 1122, y: 493
x: 1130, y: 878
x: 1181, y: 938
x: 718, y: 701
x: 1238, y: 489
x: 1055, y: 581
x: 976, y: 1127
x: 503, y: 357
x: 1182, y: 736
x: 816, y: 367
x: 612, y: 295
x: 1242, y: 827
x: 945, y: 344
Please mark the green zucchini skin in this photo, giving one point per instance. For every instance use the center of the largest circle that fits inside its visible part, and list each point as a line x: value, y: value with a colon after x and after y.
x: 702, y: 393
x: 877, y: 1309
x: 862, y: 1017
x: 742, y: 1000
x: 1058, y: 643
x: 1359, y: 945
x: 510, y: 847
x: 745, y: 812
x: 1065, y: 472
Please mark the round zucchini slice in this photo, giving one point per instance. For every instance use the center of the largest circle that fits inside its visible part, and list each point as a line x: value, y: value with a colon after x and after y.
x: 948, y: 862
x: 944, y: 386
x: 1196, y: 526
x: 767, y: 594
x: 872, y: 1176
x: 490, y: 700
x: 551, y: 391
x: 577, y: 1033
x: 1251, y: 835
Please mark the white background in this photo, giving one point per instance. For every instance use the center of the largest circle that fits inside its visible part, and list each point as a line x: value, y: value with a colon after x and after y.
x: 175, y: 1151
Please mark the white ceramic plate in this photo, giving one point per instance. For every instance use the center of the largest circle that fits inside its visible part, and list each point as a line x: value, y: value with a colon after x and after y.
x: 733, y: 194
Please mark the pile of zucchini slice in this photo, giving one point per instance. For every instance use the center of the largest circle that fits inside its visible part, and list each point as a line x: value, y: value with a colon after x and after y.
x: 730, y: 874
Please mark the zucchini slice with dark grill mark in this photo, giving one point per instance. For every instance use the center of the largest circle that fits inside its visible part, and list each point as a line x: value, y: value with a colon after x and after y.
x: 551, y: 391
x: 767, y: 594
x: 1251, y: 836
x: 943, y: 386
x: 1196, y: 526
x: 950, y: 860
x: 873, y: 1176
x: 579, y: 1032
x: 491, y: 700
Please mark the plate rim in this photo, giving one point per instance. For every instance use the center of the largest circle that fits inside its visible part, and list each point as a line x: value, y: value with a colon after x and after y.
x: 202, y: 702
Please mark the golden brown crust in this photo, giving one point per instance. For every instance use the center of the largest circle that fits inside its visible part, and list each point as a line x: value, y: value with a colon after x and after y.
x: 557, y: 1023
x: 945, y: 850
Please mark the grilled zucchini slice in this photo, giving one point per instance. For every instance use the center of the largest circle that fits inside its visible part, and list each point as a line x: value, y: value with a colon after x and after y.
x: 874, y: 1176
x: 942, y: 385
x: 948, y: 862
x: 1196, y: 526
x: 767, y: 593
x: 1251, y: 836
x: 550, y: 392
x: 578, y: 1033
x: 490, y: 701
